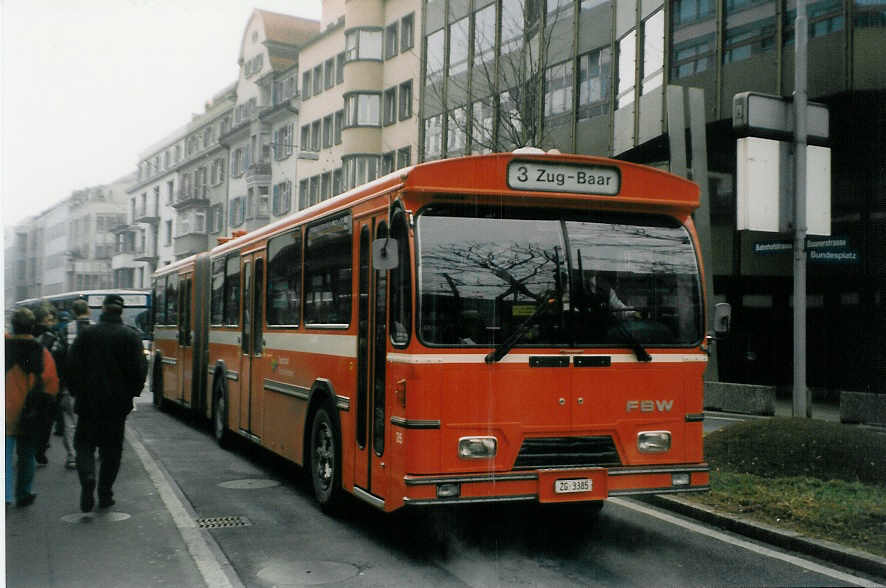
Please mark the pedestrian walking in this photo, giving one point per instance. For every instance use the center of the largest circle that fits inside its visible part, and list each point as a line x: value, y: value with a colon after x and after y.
x: 57, y: 346
x: 66, y: 396
x: 106, y: 370
x: 29, y: 367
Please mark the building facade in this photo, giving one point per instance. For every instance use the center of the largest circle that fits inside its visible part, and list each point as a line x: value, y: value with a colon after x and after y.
x: 593, y: 80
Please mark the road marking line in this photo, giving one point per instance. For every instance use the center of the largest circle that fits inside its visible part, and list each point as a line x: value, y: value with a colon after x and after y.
x: 792, y: 559
x: 192, y: 535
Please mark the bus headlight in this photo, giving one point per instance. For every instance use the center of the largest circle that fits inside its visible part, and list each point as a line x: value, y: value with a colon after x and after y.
x: 477, y: 447
x: 653, y: 441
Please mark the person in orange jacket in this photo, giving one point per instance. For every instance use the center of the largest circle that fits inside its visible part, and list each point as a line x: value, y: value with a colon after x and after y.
x: 26, y: 360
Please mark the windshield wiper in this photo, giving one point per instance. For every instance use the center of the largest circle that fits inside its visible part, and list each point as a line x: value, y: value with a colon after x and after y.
x: 639, y: 350
x: 505, y: 346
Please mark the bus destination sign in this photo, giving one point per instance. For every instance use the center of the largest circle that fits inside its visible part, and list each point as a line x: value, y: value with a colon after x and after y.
x: 550, y: 177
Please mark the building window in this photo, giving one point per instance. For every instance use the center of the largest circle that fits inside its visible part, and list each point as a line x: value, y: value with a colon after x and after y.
x: 390, y: 106
x: 215, y: 218
x: 434, y: 137
x: 457, y: 131
x: 337, y: 182
x: 315, y: 190
x: 168, y: 240
x: 594, y: 70
x: 329, y: 73
x: 339, y: 123
x: 363, y: 44
x: 170, y: 188
x: 685, y: 12
x: 406, y: 100
x: 282, y: 198
x: 653, y: 52
x: 302, y: 194
x: 326, y: 186
x: 391, y: 40
x: 340, y: 68
x: 327, y: 131
x: 387, y: 163
x: 306, y: 137
x: 283, y: 142
x: 318, y: 79
x: 627, y: 54
x: 481, y: 127
x: 404, y: 157
x: 752, y: 39
x: 484, y: 36
x: 238, y: 211
x: 435, y: 56
x: 692, y: 57
x: 359, y: 169
x: 306, y: 84
x: 362, y: 110
x: 458, y: 47
x: 407, y: 32
x: 315, y: 135
x: 558, y: 89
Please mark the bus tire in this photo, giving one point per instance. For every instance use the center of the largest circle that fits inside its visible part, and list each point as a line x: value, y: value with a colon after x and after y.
x: 325, y: 460
x: 220, y: 418
x: 157, y: 384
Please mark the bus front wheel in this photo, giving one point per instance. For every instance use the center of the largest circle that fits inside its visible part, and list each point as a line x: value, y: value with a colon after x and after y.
x: 325, y: 463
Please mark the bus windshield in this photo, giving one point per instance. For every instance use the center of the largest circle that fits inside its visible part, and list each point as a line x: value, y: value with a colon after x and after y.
x: 555, y: 278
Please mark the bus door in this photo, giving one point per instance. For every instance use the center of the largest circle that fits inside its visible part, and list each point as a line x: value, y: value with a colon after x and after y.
x: 251, y: 343
x: 371, y: 411
x: 185, y: 354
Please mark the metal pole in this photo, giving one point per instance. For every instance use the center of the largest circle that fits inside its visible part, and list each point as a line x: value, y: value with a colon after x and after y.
x: 801, y: 405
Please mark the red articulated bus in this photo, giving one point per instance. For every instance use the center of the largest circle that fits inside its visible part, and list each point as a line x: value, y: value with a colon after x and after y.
x: 514, y: 326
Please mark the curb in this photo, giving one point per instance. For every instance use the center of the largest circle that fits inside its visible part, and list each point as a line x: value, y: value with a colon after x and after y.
x: 826, y: 550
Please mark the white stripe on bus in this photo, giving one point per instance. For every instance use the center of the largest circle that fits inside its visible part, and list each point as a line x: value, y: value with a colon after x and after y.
x: 337, y: 345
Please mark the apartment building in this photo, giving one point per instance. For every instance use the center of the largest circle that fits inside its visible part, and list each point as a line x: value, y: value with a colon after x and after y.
x: 69, y: 246
x: 261, y: 137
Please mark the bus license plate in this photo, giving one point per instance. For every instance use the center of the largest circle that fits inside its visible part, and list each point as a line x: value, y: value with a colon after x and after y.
x: 573, y: 485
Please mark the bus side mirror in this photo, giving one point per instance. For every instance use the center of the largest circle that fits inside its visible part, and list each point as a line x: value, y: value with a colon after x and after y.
x: 384, y: 254
x: 722, y: 318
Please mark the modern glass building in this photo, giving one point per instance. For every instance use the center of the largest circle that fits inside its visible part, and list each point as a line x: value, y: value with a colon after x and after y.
x: 590, y: 76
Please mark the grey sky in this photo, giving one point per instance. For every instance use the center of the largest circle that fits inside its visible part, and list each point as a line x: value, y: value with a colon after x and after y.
x: 88, y: 85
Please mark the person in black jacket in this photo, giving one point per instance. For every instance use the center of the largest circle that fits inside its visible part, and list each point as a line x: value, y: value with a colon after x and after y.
x: 106, y: 369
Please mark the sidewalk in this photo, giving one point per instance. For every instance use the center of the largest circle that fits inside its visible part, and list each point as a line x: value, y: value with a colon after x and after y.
x: 134, y: 543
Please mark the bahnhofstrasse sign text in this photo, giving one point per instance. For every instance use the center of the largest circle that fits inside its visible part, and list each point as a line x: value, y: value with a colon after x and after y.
x: 821, y: 250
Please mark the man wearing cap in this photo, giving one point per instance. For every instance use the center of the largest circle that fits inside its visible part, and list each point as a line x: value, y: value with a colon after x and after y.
x: 106, y: 369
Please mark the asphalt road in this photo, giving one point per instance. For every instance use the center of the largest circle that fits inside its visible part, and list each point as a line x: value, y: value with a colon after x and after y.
x: 266, y: 531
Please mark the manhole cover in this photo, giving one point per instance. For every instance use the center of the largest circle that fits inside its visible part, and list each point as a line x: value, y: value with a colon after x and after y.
x: 222, y: 522
x: 248, y: 484
x: 95, y: 517
x: 307, y: 573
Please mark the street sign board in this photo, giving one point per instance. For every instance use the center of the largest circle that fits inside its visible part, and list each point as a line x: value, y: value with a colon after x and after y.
x: 764, y: 115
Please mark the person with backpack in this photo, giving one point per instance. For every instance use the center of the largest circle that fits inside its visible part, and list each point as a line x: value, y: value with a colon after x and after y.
x: 106, y: 370
x: 46, y: 334
x: 31, y: 378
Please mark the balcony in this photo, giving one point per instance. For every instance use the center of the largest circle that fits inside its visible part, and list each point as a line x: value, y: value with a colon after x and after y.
x: 144, y: 215
x: 258, y: 173
x: 143, y: 255
x: 188, y: 197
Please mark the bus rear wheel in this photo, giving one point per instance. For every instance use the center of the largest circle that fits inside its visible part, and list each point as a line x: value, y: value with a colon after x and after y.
x: 325, y: 460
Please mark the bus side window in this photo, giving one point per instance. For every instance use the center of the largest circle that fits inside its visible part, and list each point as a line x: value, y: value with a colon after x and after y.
x: 217, y: 302
x: 172, y: 300
x: 160, y: 301
x: 401, y: 283
x: 232, y: 290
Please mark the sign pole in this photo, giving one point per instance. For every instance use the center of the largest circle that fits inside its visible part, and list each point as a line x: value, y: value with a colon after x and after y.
x: 802, y: 407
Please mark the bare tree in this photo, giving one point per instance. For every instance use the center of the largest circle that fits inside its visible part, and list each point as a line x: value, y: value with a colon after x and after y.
x: 493, y: 93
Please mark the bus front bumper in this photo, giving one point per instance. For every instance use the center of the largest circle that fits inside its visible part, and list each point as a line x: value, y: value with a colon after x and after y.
x: 556, y: 485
